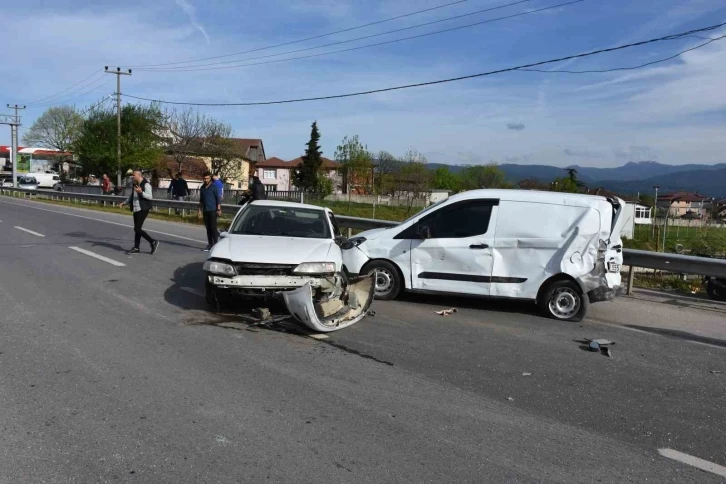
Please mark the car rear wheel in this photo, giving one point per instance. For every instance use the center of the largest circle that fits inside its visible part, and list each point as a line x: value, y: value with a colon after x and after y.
x: 564, y: 300
x: 388, y: 280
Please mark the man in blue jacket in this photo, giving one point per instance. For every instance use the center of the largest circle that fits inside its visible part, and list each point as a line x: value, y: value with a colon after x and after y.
x: 219, y: 184
x: 210, y: 207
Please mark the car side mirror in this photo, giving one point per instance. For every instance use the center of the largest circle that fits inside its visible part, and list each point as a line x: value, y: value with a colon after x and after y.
x: 223, y: 234
x: 343, y: 242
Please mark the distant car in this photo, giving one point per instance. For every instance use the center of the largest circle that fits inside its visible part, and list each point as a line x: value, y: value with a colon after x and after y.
x: 27, y: 182
x: 58, y: 187
x: 291, y: 250
x: 6, y: 182
x: 46, y: 180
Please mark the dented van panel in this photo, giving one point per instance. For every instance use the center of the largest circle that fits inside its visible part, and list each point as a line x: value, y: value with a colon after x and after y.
x: 331, y: 311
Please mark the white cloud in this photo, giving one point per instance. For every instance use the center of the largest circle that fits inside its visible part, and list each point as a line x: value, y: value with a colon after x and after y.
x: 191, y: 12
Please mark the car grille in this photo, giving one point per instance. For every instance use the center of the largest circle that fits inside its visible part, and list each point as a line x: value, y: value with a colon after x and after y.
x: 252, y: 269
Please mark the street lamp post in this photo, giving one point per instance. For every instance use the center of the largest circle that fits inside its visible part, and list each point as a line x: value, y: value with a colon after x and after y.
x: 655, y: 211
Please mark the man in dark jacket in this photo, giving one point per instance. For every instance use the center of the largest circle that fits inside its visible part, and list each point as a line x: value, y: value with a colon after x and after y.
x: 140, y: 203
x: 178, y: 188
x: 210, y: 207
x: 255, y: 190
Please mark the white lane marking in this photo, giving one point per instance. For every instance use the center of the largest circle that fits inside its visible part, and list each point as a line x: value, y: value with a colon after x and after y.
x: 192, y: 291
x: 99, y: 257
x: 29, y: 231
x: 704, y: 465
x: 104, y: 221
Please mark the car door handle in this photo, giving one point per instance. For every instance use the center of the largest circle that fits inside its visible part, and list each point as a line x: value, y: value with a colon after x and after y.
x: 478, y: 246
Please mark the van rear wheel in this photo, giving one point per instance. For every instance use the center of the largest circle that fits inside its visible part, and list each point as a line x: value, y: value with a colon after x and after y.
x: 388, y: 281
x: 563, y: 300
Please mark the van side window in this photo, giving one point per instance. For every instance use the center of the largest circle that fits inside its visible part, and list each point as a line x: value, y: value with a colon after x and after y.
x: 461, y: 220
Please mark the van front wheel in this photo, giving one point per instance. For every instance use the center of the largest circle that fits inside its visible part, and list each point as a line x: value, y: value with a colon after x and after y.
x: 564, y: 300
x: 388, y: 281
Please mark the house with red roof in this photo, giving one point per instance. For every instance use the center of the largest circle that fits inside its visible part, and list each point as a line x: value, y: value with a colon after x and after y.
x: 277, y: 174
x: 685, y: 204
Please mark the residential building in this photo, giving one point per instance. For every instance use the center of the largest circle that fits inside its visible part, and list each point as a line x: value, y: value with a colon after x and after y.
x: 236, y: 172
x: 277, y: 174
x: 684, y: 204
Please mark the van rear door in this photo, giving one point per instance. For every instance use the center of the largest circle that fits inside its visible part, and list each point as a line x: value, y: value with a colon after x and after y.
x: 614, y: 251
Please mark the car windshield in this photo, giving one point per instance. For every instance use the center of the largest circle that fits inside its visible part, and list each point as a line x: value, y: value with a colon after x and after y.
x: 282, y: 222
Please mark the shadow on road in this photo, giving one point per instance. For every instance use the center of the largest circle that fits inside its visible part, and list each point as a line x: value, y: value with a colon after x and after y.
x: 127, y: 236
x: 673, y: 333
x: 187, y: 290
x: 479, y: 304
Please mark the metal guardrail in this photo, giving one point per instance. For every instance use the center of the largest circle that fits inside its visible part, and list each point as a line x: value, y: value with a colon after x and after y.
x: 676, y: 263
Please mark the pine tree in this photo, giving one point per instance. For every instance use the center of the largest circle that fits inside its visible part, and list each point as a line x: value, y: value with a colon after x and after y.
x: 307, y: 175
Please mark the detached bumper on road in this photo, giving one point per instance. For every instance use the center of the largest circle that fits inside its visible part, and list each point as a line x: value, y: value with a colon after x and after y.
x: 335, y: 311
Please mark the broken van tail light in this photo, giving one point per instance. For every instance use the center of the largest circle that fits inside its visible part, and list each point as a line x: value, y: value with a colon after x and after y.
x: 601, y: 250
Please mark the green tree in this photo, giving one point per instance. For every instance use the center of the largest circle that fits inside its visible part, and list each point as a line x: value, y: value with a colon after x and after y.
x: 445, y: 179
x: 387, y: 169
x: 140, y: 144
x: 356, y: 165
x: 566, y: 185
x: 57, y: 128
x: 307, y: 176
x: 483, y: 176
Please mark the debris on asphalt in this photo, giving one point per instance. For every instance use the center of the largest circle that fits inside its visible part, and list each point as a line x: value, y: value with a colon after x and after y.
x: 598, y: 345
x: 447, y: 312
x: 262, y: 313
x: 594, y: 346
x: 606, y: 351
x: 526, y: 374
x: 716, y: 372
x: 601, y: 342
x: 371, y: 314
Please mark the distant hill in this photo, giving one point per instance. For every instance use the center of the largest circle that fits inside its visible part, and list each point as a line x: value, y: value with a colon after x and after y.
x: 630, y: 178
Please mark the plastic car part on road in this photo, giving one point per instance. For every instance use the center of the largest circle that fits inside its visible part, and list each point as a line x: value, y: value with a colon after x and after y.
x: 335, y: 312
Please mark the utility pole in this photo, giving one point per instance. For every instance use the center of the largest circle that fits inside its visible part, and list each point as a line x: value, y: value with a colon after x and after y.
x: 118, y: 73
x: 14, y: 140
x: 13, y: 121
x: 655, y: 210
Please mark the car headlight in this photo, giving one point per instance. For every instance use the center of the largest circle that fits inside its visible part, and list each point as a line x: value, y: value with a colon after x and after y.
x: 220, y: 268
x: 315, y: 268
x: 356, y: 241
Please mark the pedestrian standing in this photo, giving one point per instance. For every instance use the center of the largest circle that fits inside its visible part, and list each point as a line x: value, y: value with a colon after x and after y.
x: 140, y: 203
x: 210, y: 207
x: 181, y: 188
x: 106, y: 185
x: 220, y: 186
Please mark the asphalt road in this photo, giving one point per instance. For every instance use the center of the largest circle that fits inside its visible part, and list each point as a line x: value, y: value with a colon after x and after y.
x: 117, y: 373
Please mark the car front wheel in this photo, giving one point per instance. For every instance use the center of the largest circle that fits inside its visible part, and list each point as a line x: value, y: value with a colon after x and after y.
x: 388, y: 280
x: 565, y: 301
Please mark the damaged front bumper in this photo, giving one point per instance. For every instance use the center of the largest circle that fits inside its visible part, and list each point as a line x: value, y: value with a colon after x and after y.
x: 322, y: 303
x: 333, y: 311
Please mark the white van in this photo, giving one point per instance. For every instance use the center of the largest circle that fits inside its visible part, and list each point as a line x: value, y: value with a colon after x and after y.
x: 562, y: 251
x: 46, y: 180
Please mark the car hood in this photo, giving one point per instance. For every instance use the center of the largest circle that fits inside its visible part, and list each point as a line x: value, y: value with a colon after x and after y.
x: 273, y: 250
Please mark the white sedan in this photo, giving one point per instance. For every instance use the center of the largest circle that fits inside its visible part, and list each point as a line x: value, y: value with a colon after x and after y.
x: 290, y: 250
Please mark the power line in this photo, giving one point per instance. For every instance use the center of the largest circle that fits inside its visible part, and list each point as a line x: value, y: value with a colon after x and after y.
x: 307, y: 49
x: 640, y: 66
x: 378, y: 22
x: 94, y: 86
x: 442, y: 81
x: 64, y: 90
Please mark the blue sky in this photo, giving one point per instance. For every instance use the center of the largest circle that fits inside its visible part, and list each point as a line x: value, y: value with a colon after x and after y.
x: 673, y: 112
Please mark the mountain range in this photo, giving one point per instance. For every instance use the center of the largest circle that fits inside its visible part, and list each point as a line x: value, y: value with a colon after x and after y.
x: 629, y: 179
